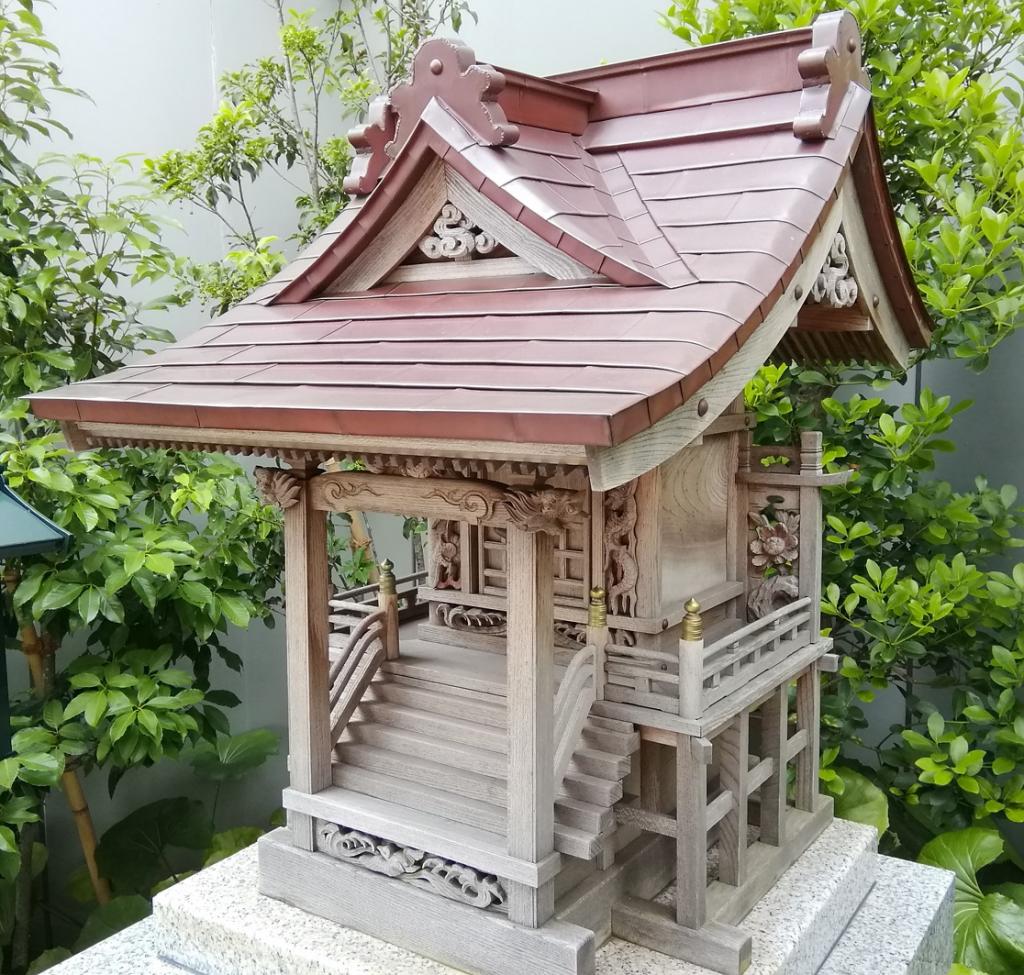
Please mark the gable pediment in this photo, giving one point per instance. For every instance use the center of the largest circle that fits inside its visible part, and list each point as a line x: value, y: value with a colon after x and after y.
x: 445, y: 229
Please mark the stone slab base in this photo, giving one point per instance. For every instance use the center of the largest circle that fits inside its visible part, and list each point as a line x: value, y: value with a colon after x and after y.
x: 216, y: 923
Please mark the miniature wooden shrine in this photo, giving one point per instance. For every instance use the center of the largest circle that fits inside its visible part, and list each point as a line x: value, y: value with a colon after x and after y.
x: 532, y: 327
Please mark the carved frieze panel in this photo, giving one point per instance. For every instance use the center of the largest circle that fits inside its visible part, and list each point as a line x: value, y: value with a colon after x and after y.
x: 444, y: 877
x: 473, y: 619
x: 774, y: 549
x: 455, y: 237
x: 445, y: 554
x: 835, y: 286
x: 621, y: 571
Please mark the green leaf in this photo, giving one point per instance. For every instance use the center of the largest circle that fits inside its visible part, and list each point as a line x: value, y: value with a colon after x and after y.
x: 229, y: 842
x: 861, y: 800
x: 234, y: 756
x: 49, y: 958
x: 132, y: 851
x: 115, y: 916
x: 988, y: 928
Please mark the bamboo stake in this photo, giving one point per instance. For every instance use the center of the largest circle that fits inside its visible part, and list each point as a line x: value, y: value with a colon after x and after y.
x: 79, y: 806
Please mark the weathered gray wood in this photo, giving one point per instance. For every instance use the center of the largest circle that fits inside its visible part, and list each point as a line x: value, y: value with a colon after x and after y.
x: 649, y: 822
x: 691, y: 832
x: 453, y: 934
x: 774, y: 746
x: 766, y: 864
x: 719, y: 807
x: 732, y: 750
x: 306, y: 629
x: 422, y: 831
x: 720, y: 947
x: 530, y: 715
x: 808, y: 718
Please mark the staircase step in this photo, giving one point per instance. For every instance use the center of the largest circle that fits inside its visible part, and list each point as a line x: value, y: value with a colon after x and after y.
x: 459, y: 756
x: 613, y: 742
x: 425, y: 698
x: 600, y: 764
x: 456, y: 781
x: 476, y: 785
x: 569, y: 840
x: 440, y: 726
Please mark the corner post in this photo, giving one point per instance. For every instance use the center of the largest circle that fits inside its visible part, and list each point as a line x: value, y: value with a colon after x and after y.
x: 809, y: 581
x: 387, y: 600
x: 530, y: 663
x: 693, y: 755
x: 307, y: 582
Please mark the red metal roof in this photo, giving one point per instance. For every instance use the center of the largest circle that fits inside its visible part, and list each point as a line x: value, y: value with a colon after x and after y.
x: 679, y: 180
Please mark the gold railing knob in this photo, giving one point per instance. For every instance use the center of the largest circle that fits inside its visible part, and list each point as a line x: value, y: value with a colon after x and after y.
x: 693, y: 622
x: 598, y: 610
x: 386, y: 577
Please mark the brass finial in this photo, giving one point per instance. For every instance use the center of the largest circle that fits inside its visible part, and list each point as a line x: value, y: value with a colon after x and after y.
x: 693, y: 622
x: 598, y: 610
x: 386, y: 577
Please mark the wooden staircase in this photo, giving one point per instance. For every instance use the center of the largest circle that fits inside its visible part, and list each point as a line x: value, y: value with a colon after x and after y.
x: 438, y: 746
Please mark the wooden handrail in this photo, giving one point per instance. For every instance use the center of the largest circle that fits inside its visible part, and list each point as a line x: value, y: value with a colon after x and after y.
x: 791, y: 609
x: 573, y: 701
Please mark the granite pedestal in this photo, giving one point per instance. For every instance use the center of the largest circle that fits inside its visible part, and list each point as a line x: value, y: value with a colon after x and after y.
x: 841, y: 909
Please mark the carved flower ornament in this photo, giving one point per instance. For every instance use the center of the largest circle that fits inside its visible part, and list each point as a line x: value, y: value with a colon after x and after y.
x: 775, y: 542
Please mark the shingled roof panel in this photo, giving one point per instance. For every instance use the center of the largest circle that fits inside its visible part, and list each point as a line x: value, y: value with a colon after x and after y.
x: 680, y: 186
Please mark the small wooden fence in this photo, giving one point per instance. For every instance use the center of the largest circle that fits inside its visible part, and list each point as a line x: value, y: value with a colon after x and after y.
x: 691, y: 680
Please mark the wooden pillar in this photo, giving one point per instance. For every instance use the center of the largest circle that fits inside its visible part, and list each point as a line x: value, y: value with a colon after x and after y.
x: 692, y: 758
x: 691, y: 662
x: 809, y: 581
x: 530, y: 663
x: 307, y: 581
x: 387, y: 600
x: 808, y: 718
x: 774, y: 739
x: 733, y: 762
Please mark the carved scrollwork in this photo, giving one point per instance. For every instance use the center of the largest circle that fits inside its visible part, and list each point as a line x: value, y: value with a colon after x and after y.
x: 621, y: 571
x: 473, y: 619
x: 475, y: 504
x: 834, y: 285
x: 570, y: 635
x: 771, y: 593
x: 278, y: 487
x: 549, y: 510
x: 445, y: 554
x: 338, y: 493
x: 455, y: 236
x: 444, y: 877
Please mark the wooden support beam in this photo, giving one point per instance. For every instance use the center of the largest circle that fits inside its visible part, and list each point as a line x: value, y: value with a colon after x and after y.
x: 720, y: 947
x: 691, y: 832
x: 775, y: 746
x: 808, y: 719
x: 718, y: 808
x: 732, y: 750
x: 307, y: 583
x: 530, y: 663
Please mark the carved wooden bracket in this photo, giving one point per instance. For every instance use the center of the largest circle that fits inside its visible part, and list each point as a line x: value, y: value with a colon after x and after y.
x: 446, y: 69
x: 278, y: 487
x: 549, y: 510
x: 827, y: 70
x: 455, y: 237
x: 835, y: 285
x: 370, y: 142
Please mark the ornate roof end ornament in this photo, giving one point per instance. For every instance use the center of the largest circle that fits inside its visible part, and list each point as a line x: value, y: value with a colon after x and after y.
x: 828, y: 68
x: 278, y: 487
x: 549, y: 510
x: 370, y: 142
x: 446, y: 69
x: 835, y: 285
